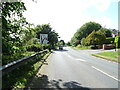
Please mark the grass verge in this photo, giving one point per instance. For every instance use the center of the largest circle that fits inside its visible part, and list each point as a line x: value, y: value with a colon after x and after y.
x: 81, y: 48
x: 111, y: 55
x: 36, y: 66
x: 21, y: 76
x: 39, y: 63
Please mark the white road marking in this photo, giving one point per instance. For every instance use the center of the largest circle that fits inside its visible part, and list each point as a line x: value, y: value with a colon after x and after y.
x: 68, y: 55
x: 81, y: 60
x: 74, y: 58
x: 105, y: 73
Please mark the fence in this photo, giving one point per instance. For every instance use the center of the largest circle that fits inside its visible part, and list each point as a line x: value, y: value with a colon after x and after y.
x: 13, y: 65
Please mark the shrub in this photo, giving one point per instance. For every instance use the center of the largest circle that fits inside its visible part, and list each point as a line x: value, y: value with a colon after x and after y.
x: 109, y: 40
x: 35, y: 48
x: 83, y: 42
x: 95, y: 38
x: 117, y: 41
x: 78, y: 46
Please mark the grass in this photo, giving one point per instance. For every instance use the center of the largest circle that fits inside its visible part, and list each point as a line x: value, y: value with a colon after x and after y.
x: 81, y: 47
x: 111, y: 55
x: 28, y: 53
x: 39, y: 63
x: 26, y: 79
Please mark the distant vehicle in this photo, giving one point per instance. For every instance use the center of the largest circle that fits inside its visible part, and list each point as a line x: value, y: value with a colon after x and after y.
x: 61, y: 47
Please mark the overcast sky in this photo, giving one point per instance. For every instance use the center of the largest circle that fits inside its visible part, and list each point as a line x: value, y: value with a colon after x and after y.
x: 66, y: 16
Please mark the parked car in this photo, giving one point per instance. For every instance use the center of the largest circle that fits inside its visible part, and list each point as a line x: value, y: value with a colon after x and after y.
x: 61, y: 47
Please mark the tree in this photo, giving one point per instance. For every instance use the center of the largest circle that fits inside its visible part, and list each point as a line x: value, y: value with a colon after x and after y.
x: 83, y: 42
x: 95, y: 38
x: 62, y: 41
x: 68, y: 44
x: 108, y: 33
x: 11, y: 27
x: 74, y: 41
x: 28, y: 34
x: 46, y: 29
x: 85, y: 30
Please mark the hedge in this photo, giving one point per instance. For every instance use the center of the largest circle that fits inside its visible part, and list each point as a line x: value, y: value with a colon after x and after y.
x: 35, y: 48
x: 117, y: 41
x: 109, y: 40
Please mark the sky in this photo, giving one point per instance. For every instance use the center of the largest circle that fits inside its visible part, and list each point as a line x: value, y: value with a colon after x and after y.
x: 67, y: 16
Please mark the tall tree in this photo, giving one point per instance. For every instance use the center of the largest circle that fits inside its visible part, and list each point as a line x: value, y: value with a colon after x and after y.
x: 84, y: 31
x: 46, y: 29
x: 107, y: 32
x: 63, y: 42
x: 11, y: 26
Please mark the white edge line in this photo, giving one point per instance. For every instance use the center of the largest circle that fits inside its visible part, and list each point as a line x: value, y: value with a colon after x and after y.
x: 105, y: 73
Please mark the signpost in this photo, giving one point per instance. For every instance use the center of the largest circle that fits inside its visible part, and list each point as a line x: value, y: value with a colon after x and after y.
x: 44, y: 38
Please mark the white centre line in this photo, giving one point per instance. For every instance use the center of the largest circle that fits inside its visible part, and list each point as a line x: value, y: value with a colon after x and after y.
x: 105, y: 73
x: 74, y: 58
x: 81, y: 60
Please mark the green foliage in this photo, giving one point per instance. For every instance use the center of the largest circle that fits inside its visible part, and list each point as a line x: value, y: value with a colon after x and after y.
x: 34, y: 47
x: 78, y: 46
x: 83, y: 42
x: 108, y: 33
x: 111, y: 55
x: 17, y: 38
x: 33, y: 41
x: 114, y: 31
x: 74, y: 41
x: 117, y: 41
x: 109, y: 40
x: 46, y: 29
x: 19, y: 77
x: 84, y: 31
x: 29, y: 35
x: 46, y: 46
x: 11, y: 27
x: 68, y: 44
x: 95, y: 38
x: 61, y: 43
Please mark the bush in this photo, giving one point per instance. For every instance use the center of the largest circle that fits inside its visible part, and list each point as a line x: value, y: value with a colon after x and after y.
x: 117, y: 41
x: 47, y: 46
x: 83, y: 42
x: 35, y: 48
x: 95, y: 38
x: 78, y: 46
x: 20, y: 76
x: 109, y: 40
x: 68, y: 44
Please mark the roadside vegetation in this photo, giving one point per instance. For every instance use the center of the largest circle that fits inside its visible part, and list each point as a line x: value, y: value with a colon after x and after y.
x: 92, y: 34
x: 79, y: 47
x: 111, y: 55
x: 20, y: 39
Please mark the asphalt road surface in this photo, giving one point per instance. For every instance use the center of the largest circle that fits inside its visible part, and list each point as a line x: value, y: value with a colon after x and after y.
x: 69, y: 68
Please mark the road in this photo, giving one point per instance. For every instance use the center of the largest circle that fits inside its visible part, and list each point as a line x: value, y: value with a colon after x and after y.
x: 69, y: 68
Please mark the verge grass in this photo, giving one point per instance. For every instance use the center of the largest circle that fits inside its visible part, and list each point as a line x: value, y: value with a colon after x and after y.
x: 21, y: 76
x: 81, y: 48
x: 111, y: 55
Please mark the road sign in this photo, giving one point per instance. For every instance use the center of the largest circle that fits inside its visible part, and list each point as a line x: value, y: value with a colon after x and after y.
x: 44, y: 38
